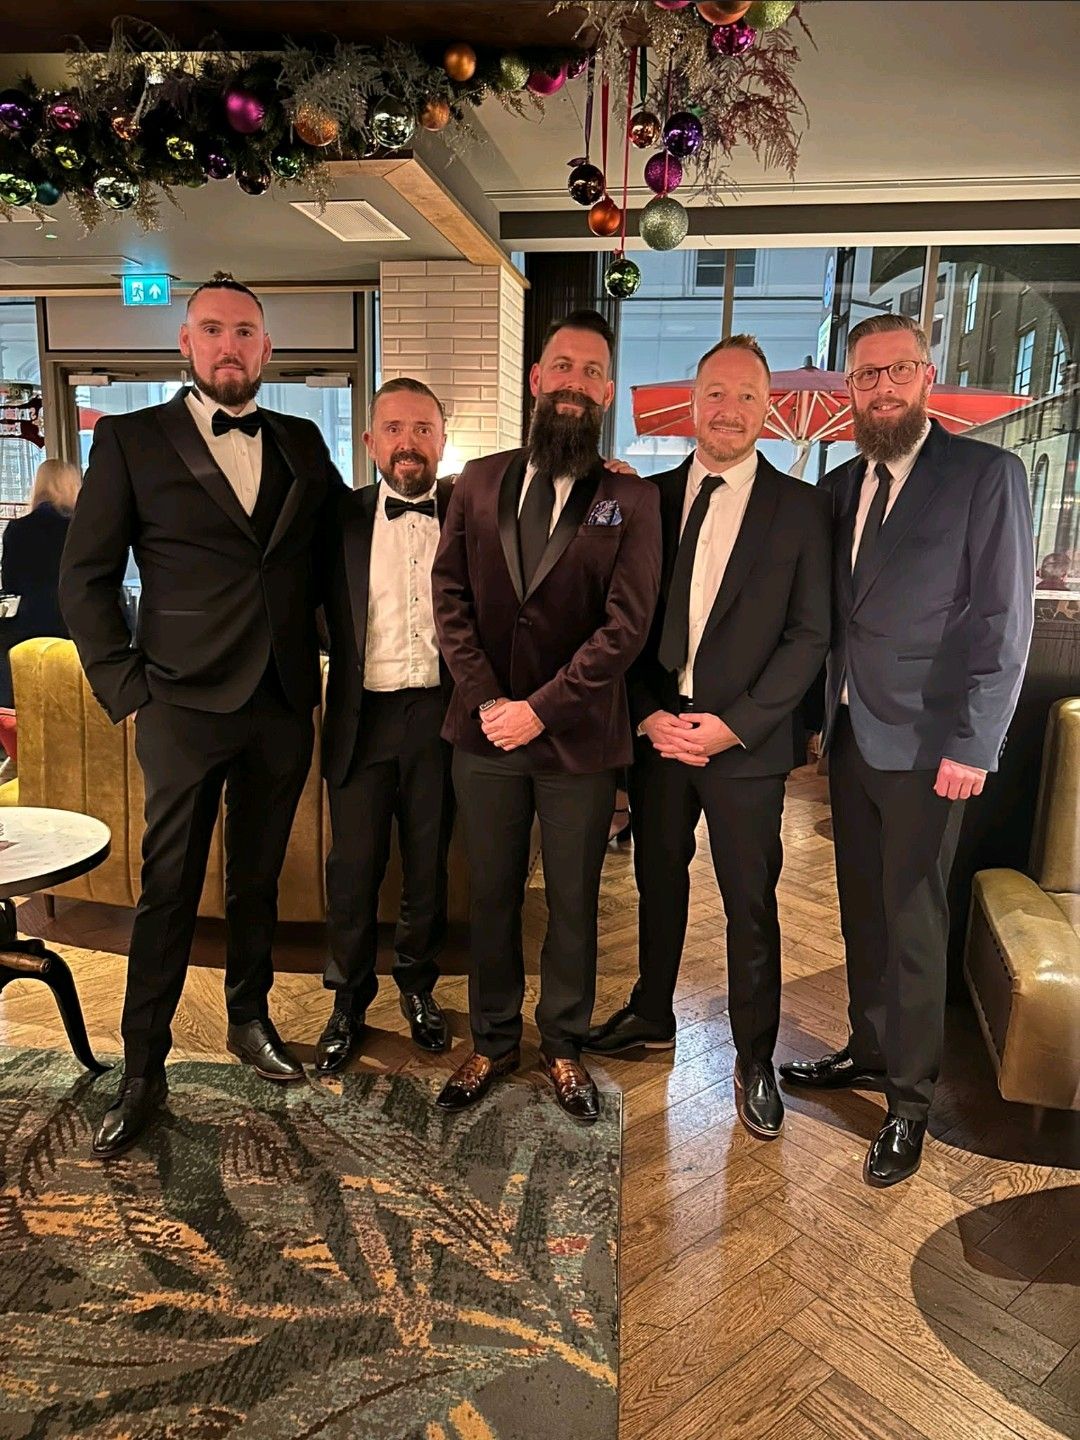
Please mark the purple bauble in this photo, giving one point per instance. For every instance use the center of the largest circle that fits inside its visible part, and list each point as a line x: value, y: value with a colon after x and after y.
x: 16, y: 112
x: 546, y: 82
x: 216, y: 165
x: 577, y: 67
x: 683, y: 135
x: 244, y: 111
x: 732, y: 39
x: 663, y: 172
x: 63, y: 114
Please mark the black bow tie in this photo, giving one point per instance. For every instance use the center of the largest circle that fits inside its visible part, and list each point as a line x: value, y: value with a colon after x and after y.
x: 223, y: 422
x: 396, y: 507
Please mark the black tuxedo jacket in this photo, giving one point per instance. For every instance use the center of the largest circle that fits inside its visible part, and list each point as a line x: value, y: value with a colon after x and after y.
x: 214, y: 602
x: 346, y: 555
x: 768, y: 630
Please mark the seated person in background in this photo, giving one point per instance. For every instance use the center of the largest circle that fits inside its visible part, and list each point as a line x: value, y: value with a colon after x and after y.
x: 31, y: 563
x: 1054, y: 571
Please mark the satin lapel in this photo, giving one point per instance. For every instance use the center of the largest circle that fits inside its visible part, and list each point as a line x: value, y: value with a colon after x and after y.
x: 566, y: 527
x: 443, y: 490
x: 672, y: 500
x: 183, y: 435
x: 295, y: 493
x: 509, y: 492
x: 357, y: 527
x: 919, y: 490
x: 845, y: 523
x: 749, y: 544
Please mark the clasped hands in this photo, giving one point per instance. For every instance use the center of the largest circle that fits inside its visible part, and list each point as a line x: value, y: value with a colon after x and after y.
x: 509, y: 724
x: 691, y: 737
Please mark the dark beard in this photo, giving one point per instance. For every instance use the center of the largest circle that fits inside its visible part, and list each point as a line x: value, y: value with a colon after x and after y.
x: 564, y: 444
x: 408, y: 487
x: 885, y: 441
x: 233, y: 393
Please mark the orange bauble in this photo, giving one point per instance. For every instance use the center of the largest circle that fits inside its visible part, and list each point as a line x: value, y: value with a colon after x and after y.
x: 459, y: 62
x: 435, y: 114
x: 605, y: 217
x: 722, y: 12
x: 315, y: 126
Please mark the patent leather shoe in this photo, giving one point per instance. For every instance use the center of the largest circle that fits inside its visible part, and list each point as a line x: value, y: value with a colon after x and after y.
x: 338, y: 1042
x: 625, y: 1031
x: 426, y: 1020
x: 896, y: 1153
x: 136, y: 1106
x: 259, y: 1045
x: 832, y: 1072
x: 758, y: 1100
x: 473, y: 1078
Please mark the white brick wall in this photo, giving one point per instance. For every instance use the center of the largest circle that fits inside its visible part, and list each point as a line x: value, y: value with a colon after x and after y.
x: 459, y: 328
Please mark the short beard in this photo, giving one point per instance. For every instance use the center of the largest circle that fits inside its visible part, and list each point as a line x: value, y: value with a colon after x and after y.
x: 233, y: 393
x: 564, y: 444
x: 413, y: 485
x: 886, y: 440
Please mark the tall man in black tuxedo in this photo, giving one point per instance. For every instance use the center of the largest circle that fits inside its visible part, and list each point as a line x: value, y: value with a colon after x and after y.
x: 220, y: 503
x: 934, y: 597
x: 739, y: 634
x: 382, y: 753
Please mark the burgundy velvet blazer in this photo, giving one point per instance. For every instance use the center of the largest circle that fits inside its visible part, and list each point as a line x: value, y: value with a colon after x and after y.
x: 565, y: 644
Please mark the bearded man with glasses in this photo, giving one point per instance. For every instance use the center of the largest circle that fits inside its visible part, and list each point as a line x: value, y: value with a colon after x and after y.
x: 933, y: 595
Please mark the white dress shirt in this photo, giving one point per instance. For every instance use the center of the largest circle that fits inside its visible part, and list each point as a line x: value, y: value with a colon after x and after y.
x: 401, y: 652
x: 899, y: 469
x: 238, y: 456
x: 720, y: 530
x: 563, y: 485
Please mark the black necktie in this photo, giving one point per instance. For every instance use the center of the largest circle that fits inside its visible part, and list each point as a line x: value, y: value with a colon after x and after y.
x: 396, y: 507
x: 223, y: 422
x: 534, y: 524
x: 675, y: 636
x: 875, y: 518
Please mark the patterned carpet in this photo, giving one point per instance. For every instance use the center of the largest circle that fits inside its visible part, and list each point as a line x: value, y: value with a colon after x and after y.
x: 337, y: 1260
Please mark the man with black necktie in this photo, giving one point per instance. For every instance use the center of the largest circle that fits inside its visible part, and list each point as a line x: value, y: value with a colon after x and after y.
x: 220, y: 502
x: 933, y: 602
x: 382, y: 752
x: 739, y: 634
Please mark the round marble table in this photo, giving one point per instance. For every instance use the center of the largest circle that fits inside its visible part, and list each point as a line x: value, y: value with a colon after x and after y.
x: 40, y: 848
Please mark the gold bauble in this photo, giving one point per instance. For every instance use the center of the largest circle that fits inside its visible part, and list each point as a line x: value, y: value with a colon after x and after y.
x: 315, y: 126
x: 459, y: 62
x: 722, y: 12
x: 435, y: 113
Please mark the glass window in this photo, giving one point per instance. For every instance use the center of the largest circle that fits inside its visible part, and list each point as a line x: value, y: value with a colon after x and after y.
x: 963, y: 376
x: 1025, y: 352
x: 1059, y: 362
x: 20, y: 401
x: 712, y: 269
x: 971, y: 303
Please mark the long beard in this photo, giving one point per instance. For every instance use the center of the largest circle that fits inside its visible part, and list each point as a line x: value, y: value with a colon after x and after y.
x: 233, y: 392
x: 564, y: 444
x: 886, y: 440
x: 408, y: 486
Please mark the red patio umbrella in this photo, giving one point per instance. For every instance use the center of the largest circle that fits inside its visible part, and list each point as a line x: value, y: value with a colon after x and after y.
x: 809, y: 406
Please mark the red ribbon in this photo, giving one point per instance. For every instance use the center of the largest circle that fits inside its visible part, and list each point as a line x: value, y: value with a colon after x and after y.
x: 626, y: 146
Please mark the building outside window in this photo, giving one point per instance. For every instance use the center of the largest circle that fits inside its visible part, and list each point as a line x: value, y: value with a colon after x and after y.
x: 712, y: 268
x: 971, y: 303
x: 1025, y: 353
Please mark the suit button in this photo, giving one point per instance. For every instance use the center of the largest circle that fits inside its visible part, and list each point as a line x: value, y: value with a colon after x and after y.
x: 524, y: 620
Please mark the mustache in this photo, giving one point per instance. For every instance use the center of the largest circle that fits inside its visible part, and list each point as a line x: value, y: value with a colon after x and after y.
x: 413, y: 456
x: 589, y: 407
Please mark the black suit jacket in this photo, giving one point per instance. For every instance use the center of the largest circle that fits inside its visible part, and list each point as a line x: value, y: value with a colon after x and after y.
x: 214, y: 604
x: 33, y: 545
x: 346, y: 553
x: 768, y: 630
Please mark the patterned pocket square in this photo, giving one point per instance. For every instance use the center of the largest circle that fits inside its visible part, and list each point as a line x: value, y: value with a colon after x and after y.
x: 605, y: 512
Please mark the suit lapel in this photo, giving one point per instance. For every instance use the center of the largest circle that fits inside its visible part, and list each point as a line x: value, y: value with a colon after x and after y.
x: 443, y: 490
x: 749, y: 544
x: 573, y: 514
x: 848, y: 500
x: 509, y: 492
x: 672, y: 500
x: 358, y: 525
x: 295, y: 493
x: 919, y: 490
x: 183, y: 435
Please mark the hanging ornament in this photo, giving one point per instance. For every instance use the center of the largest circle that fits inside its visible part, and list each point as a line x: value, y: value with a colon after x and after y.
x: 16, y: 112
x: 180, y: 149
x: 717, y: 12
x: 195, y: 179
x: 675, y: 4
x: 769, y: 14
x: 513, y: 72
x: 124, y: 125
x: 459, y: 61
x: 644, y: 129
x: 546, y: 82
x: 392, y: 122
x: 63, y: 114
x: 287, y: 162
x: 67, y: 156
x: 254, y: 183
x: 315, y: 126
x: 586, y: 184
x: 577, y: 67
x: 683, y: 135
x: 435, y: 113
x: 217, y: 165
x: 244, y: 111
x: 48, y: 193
x: 15, y: 190
x: 664, y: 223
x: 663, y: 172
x: 732, y: 40
x: 119, y: 192
x: 605, y: 217
x: 622, y: 278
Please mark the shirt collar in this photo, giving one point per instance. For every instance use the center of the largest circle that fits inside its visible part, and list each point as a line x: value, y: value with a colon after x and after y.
x: 902, y: 466
x: 530, y: 471
x: 735, y: 476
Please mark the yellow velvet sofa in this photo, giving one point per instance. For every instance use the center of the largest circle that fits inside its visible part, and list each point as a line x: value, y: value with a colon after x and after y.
x: 72, y: 757
x: 1022, y: 961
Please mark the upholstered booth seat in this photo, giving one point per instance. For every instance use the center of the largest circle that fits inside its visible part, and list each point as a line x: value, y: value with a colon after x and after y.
x: 1022, y: 961
x: 72, y: 757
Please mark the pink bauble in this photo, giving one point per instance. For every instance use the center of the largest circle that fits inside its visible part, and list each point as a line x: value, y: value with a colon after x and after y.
x: 671, y: 4
x: 663, y: 172
x: 546, y: 82
x: 244, y: 111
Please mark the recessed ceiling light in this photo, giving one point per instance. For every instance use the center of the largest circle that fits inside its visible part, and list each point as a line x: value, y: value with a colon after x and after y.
x: 50, y: 235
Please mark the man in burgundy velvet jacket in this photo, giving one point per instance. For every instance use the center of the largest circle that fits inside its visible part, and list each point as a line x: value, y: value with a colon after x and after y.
x: 543, y: 586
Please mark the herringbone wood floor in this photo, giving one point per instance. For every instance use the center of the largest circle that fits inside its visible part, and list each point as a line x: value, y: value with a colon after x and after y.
x: 767, y: 1292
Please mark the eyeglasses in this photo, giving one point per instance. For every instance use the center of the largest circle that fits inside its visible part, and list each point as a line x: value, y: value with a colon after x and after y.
x: 900, y: 372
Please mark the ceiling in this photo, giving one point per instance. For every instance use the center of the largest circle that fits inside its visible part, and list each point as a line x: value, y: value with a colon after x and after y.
x: 929, y: 121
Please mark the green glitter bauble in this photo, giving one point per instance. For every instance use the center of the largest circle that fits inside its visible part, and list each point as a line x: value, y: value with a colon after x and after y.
x: 287, y: 163
x: 622, y: 278
x: 769, y: 14
x: 514, y: 71
x: 664, y: 223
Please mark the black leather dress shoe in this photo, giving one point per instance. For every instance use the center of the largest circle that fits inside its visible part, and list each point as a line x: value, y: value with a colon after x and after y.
x: 575, y: 1089
x: 896, y: 1153
x: 259, y: 1045
x: 140, y: 1098
x: 338, y: 1042
x: 832, y: 1072
x: 426, y: 1020
x: 757, y: 1099
x: 625, y: 1031
x: 473, y: 1078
